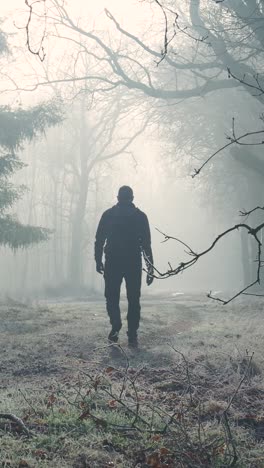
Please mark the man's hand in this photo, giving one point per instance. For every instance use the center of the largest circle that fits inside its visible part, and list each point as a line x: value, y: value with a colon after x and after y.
x: 149, y: 280
x: 100, y: 268
x: 150, y: 276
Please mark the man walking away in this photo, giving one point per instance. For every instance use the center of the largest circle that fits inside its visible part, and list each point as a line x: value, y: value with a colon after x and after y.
x: 123, y: 234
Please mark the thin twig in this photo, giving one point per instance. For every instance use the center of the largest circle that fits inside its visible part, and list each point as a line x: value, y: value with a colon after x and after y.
x: 240, y: 383
x: 187, y: 372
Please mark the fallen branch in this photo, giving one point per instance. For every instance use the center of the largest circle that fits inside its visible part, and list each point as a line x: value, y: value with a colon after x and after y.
x: 16, y: 420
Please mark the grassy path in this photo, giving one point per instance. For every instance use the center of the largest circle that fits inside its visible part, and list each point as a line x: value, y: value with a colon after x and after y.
x: 51, y: 350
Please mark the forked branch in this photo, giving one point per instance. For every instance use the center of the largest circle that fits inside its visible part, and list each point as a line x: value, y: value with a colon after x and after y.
x: 196, y: 256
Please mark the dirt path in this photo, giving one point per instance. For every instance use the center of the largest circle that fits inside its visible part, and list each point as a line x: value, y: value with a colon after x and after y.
x: 42, y: 341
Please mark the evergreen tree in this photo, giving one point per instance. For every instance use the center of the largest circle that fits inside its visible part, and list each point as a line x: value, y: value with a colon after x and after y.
x: 16, y: 127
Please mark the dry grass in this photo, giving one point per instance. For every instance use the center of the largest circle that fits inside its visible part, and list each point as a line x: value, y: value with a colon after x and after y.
x: 195, y: 366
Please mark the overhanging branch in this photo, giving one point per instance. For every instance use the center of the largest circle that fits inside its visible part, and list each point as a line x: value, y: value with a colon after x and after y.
x: 196, y: 256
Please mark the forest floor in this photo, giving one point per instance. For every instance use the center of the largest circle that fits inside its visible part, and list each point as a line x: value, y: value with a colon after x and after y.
x: 191, y: 396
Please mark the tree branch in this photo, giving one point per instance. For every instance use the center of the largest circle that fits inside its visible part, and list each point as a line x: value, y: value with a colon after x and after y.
x: 196, y: 256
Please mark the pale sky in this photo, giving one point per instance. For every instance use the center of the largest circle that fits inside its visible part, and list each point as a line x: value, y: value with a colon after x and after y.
x: 133, y: 15
x: 129, y: 12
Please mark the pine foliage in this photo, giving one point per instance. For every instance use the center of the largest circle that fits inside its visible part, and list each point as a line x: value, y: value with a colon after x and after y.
x: 16, y: 127
x: 19, y: 125
x: 16, y: 235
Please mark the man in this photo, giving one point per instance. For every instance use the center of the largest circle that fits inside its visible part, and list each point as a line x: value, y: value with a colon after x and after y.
x: 125, y: 230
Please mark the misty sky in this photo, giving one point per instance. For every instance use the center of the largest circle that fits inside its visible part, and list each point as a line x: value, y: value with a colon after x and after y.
x: 128, y: 11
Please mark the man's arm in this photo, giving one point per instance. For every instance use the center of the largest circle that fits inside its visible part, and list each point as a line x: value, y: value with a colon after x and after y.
x: 100, y: 239
x: 147, y: 251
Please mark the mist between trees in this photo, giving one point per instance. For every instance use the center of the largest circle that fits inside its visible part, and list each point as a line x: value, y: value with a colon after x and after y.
x: 143, y: 102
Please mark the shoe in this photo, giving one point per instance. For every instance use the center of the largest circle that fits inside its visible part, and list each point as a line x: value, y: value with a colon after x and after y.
x: 113, y: 336
x: 132, y: 341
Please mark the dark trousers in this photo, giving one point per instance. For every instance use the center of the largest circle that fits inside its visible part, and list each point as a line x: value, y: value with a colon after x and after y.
x: 129, y: 268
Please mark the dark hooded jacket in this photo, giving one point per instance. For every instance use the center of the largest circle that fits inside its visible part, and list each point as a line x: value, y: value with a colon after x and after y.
x: 123, y: 232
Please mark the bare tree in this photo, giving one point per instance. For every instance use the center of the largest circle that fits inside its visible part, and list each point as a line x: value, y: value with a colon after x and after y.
x: 98, y: 143
x: 222, y: 58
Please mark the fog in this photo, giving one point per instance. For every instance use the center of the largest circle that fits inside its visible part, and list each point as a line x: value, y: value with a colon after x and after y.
x: 131, y: 233
x: 123, y: 123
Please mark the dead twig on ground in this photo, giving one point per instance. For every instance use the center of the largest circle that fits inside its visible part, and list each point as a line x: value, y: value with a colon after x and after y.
x: 240, y: 383
x: 225, y: 419
x: 187, y: 372
x: 15, y: 419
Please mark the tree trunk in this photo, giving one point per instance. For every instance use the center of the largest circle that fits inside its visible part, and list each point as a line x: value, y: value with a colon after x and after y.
x: 245, y: 258
x: 76, y: 258
x: 253, y: 165
x: 75, y: 267
x: 24, y: 278
x: 56, y: 270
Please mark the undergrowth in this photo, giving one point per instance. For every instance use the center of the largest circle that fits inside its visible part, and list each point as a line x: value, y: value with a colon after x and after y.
x: 197, y: 413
